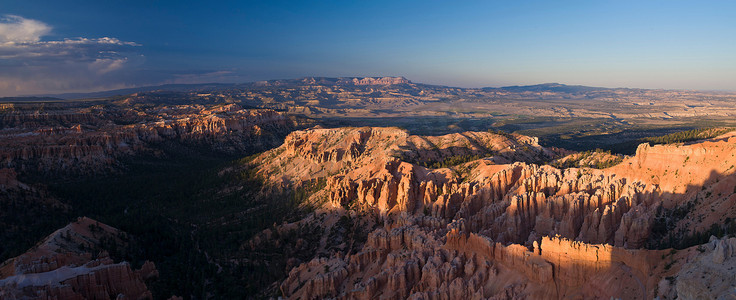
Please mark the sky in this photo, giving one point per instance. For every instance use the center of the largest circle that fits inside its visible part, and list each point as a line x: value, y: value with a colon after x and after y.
x: 76, y: 46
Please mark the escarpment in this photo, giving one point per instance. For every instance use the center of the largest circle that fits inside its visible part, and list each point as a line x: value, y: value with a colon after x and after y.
x: 494, y: 228
x: 93, y: 140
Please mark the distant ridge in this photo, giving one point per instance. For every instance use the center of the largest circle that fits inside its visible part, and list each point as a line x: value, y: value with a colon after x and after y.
x: 28, y: 99
x: 550, y: 87
x: 571, y: 90
x: 128, y: 91
x: 374, y: 81
x: 390, y: 80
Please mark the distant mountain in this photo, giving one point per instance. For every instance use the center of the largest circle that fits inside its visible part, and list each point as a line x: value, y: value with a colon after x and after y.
x: 215, y: 86
x: 333, y: 81
x: 562, y: 90
x: 128, y: 91
x: 28, y: 99
x: 550, y: 87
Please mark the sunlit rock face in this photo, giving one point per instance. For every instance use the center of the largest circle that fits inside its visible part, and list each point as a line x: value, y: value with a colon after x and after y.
x: 503, y: 226
x: 69, y: 264
x: 313, y: 153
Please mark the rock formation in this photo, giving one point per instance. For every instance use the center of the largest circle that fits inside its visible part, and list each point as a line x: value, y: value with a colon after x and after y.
x: 492, y: 228
x: 589, y: 159
x: 315, y: 153
x: 69, y: 265
x: 465, y: 215
x: 708, y: 272
x: 87, y: 140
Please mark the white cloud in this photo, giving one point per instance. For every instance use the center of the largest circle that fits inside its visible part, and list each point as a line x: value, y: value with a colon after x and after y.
x: 81, y: 49
x: 21, y: 30
x: 106, y: 65
x: 31, y: 65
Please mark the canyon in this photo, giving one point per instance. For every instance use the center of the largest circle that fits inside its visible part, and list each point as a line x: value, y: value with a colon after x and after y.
x: 93, y: 140
x: 287, y: 188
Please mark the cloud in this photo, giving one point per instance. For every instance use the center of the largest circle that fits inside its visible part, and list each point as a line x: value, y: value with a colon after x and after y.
x: 21, y: 30
x: 80, y: 49
x: 106, y: 65
x: 31, y: 65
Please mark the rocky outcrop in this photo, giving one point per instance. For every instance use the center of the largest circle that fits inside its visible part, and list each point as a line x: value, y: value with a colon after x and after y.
x: 409, y: 262
x: 319, y: 152
x: 59, y: 118
x: 68, y: 264
x: 93, y: 141
x: 708, y: 272
x: 97, y: 279
x: 589, y: 159
x: 698, y: 176
x: 484, y: 229
x: 514, y: 203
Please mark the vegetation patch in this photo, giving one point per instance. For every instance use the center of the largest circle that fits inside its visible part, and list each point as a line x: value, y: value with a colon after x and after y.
x: 664, y: 233
x: 687, y: 136
x: 450, y: 161
x: 598, y: 159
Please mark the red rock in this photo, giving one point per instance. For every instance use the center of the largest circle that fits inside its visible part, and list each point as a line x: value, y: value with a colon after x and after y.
x: 93, y: 143
x: 482, y: 230
x: 57, y: 268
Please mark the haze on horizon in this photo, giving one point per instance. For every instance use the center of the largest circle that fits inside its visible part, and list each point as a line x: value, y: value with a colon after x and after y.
x: 56, y: 47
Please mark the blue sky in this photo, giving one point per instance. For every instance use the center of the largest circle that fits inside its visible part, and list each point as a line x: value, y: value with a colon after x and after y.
x: 63, y: 46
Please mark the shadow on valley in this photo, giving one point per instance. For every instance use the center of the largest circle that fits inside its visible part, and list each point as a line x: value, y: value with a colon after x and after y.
x: 686, y: 224
x: 577, y: 134
x: 192, y: 221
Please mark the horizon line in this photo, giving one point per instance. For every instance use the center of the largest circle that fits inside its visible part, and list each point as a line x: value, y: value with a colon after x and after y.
x: 359, y: 77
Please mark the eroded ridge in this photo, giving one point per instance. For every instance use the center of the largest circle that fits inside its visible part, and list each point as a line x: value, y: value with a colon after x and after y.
x: 501, y: 226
